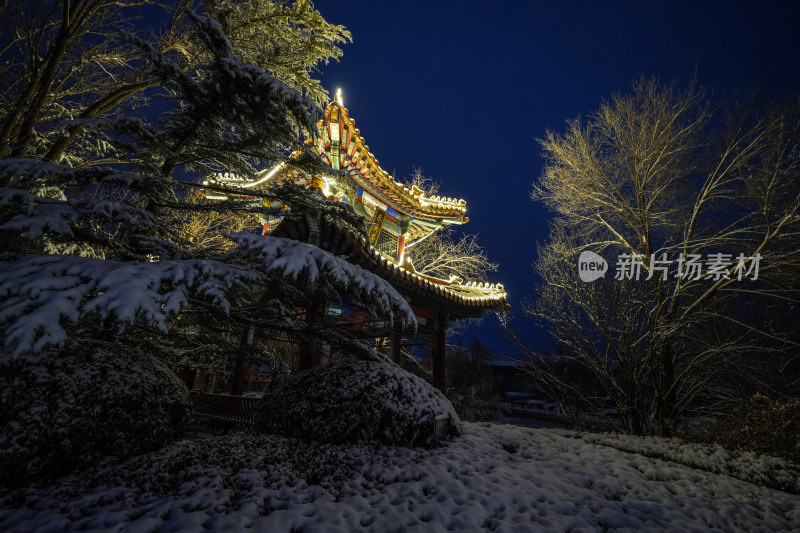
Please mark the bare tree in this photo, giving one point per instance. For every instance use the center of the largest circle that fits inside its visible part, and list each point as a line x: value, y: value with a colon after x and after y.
x: 424, y: 183
x: 447, y: 252
x: 697, y: 211
x: 67, y: 61
x: 206, y: 229
x: 64, y: 64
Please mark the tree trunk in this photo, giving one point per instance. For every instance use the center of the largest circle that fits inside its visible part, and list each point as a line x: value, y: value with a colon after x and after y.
x: 41, y: 90
x: 666, y: 398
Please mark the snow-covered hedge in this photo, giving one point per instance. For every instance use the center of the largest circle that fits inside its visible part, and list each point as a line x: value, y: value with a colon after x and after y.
x: 764, y: 470
x: 476, y: 406
x: 353, y: 401
x: 61, y: 411
x: 762, y: 425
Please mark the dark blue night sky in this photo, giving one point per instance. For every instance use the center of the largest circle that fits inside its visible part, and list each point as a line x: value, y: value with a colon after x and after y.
x: 462, y: 90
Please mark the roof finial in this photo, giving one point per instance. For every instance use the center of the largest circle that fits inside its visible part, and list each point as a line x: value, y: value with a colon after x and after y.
x: 339, y: 97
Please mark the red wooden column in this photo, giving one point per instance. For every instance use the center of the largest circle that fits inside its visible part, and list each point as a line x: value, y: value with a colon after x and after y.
x: 304, y: 360
x: 238, y: 382
x: 396, y: 343
x: 439, y: 367
x: 188, y: 376
x: 239, y: 379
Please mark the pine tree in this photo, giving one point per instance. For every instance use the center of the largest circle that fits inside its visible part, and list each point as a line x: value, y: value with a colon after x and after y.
x: 102, y: 252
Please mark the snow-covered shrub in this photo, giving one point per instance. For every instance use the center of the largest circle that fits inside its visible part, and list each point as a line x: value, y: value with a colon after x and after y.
x: 469, y: 377
x: 351, y: 401
x: 476, y: 405
x: 765, y: 426
x: 60, y: 411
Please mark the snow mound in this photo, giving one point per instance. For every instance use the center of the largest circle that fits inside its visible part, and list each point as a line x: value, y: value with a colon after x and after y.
x: 772, y: 472
x: 493, y: 478
x: 67, y: 410
x: 353, y: 401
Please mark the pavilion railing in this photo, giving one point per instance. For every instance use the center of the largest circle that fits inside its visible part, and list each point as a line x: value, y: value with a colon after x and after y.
x: 223, y: 411
x: 226, y: 413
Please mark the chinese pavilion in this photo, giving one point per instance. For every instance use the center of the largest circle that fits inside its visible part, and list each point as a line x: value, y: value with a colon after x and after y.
x: 397, y: 218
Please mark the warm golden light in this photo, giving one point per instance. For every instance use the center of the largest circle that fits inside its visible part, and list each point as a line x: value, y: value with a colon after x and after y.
x: 265, y: 178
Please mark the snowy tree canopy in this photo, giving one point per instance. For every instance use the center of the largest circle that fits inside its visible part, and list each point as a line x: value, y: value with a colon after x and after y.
x: 227, y: 114
x: 296, y: 260
x: 43, y: 295
x: 107, y: 252
x: 63, y: 70
x: 290, y: 59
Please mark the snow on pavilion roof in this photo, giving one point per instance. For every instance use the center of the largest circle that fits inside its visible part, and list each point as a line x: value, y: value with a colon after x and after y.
x: 470, y: 296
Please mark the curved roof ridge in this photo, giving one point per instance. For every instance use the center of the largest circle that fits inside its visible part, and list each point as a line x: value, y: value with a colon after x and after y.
x: 356, y: 158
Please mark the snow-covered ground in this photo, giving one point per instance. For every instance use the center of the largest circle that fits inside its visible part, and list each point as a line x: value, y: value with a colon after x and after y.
x: 495, y: 477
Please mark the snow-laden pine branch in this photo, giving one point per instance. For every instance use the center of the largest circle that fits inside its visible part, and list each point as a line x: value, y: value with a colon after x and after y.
x: 300, y: 261
x: 42, y: 296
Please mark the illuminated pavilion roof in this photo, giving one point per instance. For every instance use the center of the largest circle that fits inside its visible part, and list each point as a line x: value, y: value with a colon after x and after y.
x: 338, y: 133
x: 342, y: 147
x: 355, y: 157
